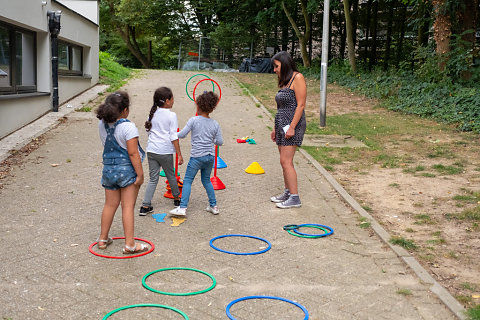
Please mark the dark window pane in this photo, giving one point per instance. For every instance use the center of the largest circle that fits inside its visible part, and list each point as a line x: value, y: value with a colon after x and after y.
x: 4, y: 58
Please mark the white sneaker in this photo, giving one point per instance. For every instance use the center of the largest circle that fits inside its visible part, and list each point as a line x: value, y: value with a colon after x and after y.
x: 213, y: 210
x: 179, y: 211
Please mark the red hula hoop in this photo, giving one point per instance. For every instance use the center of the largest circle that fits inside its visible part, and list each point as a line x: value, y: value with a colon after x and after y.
x: 219, y: 89
x: 152, y: 247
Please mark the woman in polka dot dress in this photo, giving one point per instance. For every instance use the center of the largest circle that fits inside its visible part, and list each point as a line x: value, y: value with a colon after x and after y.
x: 290, y: 124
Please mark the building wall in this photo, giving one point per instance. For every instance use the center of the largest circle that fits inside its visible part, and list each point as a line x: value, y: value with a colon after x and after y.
x: 17, y: 110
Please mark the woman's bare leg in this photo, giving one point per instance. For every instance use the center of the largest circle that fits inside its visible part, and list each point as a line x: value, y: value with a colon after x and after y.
x: 289, y: 173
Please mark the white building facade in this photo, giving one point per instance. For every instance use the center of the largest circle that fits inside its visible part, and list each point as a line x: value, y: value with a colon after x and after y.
x: 26, y: 76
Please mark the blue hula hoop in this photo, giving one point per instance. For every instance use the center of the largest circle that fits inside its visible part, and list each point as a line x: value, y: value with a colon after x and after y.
x: 313, y: 235
x: 241, y: 253
x: 265, y: 297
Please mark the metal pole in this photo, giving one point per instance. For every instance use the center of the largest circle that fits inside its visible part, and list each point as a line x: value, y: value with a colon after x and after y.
x: 324, y: 63
x: 199, y: 48
x: 251, y: 50
x: 54, y: 40
x: 179, y: 55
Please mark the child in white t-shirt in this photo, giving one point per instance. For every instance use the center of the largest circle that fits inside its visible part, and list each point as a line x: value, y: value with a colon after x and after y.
x: 162, y: 126
x: 122, y: 173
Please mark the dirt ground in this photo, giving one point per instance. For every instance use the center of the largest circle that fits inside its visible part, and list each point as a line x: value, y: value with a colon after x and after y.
x: 420, y: 205
x: 422, y: 197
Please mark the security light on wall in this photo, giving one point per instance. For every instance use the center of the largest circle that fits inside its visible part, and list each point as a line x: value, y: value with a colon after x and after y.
x: 44, y: 3
x: 54, y: 21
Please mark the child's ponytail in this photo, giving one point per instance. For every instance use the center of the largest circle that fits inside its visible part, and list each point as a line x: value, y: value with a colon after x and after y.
x: 114, y: 104
x: 159, y: 98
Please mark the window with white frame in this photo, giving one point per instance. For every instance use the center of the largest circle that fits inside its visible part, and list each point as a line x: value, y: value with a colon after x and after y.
x: 17, y: 60
x: 70, y: 59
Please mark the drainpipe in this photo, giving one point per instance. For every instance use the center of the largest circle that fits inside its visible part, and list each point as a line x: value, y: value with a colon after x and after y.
x: 54, y: 27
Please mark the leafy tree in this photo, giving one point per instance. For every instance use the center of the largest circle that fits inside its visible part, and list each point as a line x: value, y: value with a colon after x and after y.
x: 142, y: 24
x: 302, y: 37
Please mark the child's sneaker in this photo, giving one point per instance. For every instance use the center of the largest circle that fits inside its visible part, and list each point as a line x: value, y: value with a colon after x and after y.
x: 281, y: 197
x: 213, y: 210
x: 291, y: 202
x: 179, y: 211
x: 176, y: 203
x: 145, y: 209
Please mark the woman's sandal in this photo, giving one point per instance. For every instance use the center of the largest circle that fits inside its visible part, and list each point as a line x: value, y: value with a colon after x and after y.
x: 131, y: 250
x: 103, y: 244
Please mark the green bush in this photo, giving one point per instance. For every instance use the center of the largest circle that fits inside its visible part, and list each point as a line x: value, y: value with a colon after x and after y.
x: 426, y: 92
x: 111, y: 72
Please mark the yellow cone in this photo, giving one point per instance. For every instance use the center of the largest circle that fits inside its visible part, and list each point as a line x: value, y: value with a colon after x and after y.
x: 254, y: 168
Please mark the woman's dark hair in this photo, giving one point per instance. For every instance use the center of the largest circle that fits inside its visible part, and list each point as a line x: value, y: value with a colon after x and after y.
x: 114, y: 104
x: 207, y: 101
x: 288, y: 66
x: 159, y: 97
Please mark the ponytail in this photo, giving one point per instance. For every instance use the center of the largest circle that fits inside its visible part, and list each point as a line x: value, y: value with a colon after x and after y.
x: 148, y: 123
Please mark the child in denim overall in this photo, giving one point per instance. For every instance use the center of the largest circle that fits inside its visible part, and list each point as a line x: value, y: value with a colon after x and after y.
x: 206, y: 133
x: 162, y: 126
x: 122, y: 173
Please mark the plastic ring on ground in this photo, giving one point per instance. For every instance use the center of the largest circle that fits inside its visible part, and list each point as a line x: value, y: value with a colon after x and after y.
x: 312, y: 236
x: 241, y: 253
x: 328, y: 231
x: 145, y: 305
x: 178, y: 294
x: 219, y: 89
x: 152, y: 247
x: 265, y: 297
x: 290, y: 227
x: 198, y: 74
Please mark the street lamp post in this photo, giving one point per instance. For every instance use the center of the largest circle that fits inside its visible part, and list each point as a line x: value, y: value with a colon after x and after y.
x: 324, y: 63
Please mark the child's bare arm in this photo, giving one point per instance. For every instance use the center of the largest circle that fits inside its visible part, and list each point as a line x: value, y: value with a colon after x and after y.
x: 176, y: 144
x: 132, y: 149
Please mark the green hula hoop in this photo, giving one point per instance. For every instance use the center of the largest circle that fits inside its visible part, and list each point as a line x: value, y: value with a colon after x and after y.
x: 198, y: 74
x: 174, y: 293
x: 146, y: 305
x: 312, y: 236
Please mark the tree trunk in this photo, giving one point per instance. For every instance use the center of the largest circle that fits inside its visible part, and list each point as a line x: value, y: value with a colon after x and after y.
x: 355, y: 21
x: 402, y: 35
x: 389, y: 36
x: 349, y: 29
x: 302, y: 38
x: 373, y: 57
x: 422, y: 33
x: 128, y: 36
x: 442, y: 28
x: 341, y: 27
x: 367, y: 32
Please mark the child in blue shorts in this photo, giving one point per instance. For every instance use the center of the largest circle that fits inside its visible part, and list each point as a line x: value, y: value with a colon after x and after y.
x: 122, y: 173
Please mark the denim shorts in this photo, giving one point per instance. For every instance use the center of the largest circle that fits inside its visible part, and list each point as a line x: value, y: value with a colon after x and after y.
x: 117, y: 176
